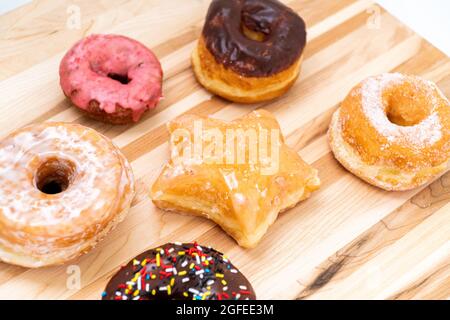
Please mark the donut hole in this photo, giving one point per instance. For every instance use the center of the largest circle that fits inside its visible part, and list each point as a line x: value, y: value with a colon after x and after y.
x: 123, y: 79
x: 253, y: 35
x: 54, y: 175
x: 119, y: 74
x: 406, y: 106
x: 252, y: 25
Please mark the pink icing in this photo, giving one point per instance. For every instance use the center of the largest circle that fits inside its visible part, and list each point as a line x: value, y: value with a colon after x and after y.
x: 85, y: 68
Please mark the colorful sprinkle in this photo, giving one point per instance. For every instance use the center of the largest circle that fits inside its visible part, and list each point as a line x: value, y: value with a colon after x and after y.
x: 167, y: 267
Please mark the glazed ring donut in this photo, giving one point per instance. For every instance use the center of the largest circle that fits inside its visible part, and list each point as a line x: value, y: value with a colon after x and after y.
x: 112, y: 78
x: 393, y: 131
x: 249, y: 50
x: 179, y: 271
x: 63, y: 187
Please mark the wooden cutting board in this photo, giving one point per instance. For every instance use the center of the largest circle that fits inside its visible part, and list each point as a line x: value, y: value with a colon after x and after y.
x: 349, y: 240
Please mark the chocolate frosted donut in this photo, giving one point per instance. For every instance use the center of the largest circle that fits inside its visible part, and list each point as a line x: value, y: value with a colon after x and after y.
x: 283, y: 32
x: 178, y: 271
x: 249, y: 50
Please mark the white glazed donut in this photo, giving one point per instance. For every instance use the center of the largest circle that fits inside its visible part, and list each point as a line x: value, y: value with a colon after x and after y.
x: 62, y: 188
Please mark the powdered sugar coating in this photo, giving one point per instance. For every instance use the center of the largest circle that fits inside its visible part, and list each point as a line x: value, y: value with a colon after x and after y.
x: 425, y: 133
x: 393, y: 131
x: 59, y: 226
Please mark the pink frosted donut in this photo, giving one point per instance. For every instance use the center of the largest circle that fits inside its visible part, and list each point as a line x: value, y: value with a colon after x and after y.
x: 113, y: 78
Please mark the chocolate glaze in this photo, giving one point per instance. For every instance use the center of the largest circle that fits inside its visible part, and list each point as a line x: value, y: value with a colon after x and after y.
x: 284, y: 36
x: 216, y: 279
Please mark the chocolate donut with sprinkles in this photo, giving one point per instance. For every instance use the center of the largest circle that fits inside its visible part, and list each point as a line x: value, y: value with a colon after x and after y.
x: 179, y: 271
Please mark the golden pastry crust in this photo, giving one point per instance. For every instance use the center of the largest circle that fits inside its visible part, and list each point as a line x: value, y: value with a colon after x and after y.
x: 393, y: 131
x: 234, y: 87
x: 241, y: 197
x: 63, y: 187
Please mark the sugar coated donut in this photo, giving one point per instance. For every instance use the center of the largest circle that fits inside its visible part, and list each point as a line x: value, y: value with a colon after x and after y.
x: 249, y: 50
x: 179, y: 271
x: 393, y: 131
x: 63, y: 187
x: 112, y: 78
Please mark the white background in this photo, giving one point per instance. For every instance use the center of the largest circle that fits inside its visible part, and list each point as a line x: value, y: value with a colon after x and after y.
x: 429, y: 18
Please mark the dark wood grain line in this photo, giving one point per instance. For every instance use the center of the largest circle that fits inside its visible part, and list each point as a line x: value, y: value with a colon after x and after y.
x: 380, y: 236
x: 419, y: 289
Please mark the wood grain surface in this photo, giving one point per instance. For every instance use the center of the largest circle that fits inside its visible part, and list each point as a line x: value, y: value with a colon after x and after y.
x: 349, y: 240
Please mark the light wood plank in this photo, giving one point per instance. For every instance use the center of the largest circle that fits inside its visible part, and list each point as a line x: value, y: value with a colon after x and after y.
x: 350, y: 240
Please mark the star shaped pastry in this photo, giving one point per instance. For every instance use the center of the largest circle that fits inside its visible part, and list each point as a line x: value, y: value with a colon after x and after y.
x: 239, y: 174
